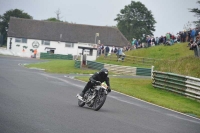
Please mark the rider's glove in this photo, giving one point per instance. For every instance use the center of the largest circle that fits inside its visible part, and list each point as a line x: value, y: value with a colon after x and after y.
x: 98, y: 82
x: 108, y: 89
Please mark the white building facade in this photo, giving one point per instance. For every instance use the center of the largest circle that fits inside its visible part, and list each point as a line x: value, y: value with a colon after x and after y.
x: 24, y: 48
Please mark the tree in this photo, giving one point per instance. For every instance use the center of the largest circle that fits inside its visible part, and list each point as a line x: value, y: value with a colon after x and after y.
x: 53, y: 19
x: 58, y: 14
x: 135, y: 20
x: 197, y: 14
x: 5, y: 18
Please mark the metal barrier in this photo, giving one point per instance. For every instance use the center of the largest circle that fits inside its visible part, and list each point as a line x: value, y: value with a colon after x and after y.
x: 121, y: 69
x: 95, y: 65
x: 143, y: 71
x: 127, y: 70
x: 188, y: 86
x: 55, y: 56
x: 77, y: 64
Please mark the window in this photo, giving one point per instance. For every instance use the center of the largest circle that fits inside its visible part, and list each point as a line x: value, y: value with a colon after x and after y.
x: 70, y: 45
x: 21, y: 40
x: 45, y: 42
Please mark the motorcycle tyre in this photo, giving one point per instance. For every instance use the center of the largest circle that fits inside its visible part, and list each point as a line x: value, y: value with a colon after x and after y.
x: 101, y: 104
x: 81, y: 103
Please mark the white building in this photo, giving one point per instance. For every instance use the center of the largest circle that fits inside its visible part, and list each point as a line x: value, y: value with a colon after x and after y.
x: 25, y: 35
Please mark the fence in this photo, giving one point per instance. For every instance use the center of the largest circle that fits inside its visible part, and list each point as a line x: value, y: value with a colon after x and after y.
x: 95, y: 65
x: 77, y: 64
x: 185, y: 85
x: 55, y: 56
x: 127, y: 70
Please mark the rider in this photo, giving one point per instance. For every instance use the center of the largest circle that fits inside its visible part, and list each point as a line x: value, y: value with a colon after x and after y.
x: 97, y: 78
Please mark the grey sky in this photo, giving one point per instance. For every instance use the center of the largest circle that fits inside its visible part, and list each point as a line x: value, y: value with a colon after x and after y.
x: 171, y: 15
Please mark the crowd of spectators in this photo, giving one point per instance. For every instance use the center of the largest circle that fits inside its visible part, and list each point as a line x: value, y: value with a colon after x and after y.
x: 192, y: 36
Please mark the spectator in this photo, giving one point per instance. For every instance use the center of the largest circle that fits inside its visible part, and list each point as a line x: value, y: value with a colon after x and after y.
x: 35, y: 53
x: 120, y: 54
x: 164, y: 39
x: 102, y: 49
x: 193, y: 34
x: 157, y: 41
x: 133, y: 43
x: 153, y: 41
x: 136, y: 44
x: 167, y: 37
x: 113, y: 48
x: 161, y: 40
x: 139, y: 43
x: 197, y: 49
x: 116, y: 49
x: 107, y: 50
x: 184, y: 36
x: 148, y: 41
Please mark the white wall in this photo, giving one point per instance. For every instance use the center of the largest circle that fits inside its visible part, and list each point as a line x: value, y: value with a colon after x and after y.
x: 92, y: 58
x: 60, y: 48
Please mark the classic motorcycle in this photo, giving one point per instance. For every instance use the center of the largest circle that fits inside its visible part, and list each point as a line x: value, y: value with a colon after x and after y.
x: 95, y: 97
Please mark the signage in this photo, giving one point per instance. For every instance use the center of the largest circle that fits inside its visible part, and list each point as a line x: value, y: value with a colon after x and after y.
x: 35, y: 44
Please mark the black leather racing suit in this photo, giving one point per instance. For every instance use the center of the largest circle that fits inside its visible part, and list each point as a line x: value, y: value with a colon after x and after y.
x: 93, y: 79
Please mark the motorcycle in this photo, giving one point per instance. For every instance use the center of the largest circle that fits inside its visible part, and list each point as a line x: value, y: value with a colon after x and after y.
x: 95, y: 97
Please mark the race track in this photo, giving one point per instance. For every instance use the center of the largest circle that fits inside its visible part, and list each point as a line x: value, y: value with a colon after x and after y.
x: 33, y: 101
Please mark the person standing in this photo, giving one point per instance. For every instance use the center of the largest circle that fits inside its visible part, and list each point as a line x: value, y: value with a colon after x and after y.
x: 107, y: 50
x: 133, y: 43
x: 193, y: 34
x: 35, y: 53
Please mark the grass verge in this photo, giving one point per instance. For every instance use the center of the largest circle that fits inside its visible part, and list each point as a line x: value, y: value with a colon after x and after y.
x: 60, y: 66
x: 142, y: 89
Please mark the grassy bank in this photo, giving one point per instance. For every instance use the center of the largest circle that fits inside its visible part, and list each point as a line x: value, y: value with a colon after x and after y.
x: 142, y: 89
x: 184, y: 61
x: 173, y: 52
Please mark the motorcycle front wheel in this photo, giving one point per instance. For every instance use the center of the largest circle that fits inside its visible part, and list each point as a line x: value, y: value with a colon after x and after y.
x: 81, y: 103
x: 99, y: 101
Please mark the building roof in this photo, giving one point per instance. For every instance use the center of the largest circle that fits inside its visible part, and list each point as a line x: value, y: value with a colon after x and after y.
x: 51, y: 31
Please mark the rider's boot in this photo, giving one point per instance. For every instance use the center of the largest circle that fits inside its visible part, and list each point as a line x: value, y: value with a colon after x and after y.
x: 81, y: 94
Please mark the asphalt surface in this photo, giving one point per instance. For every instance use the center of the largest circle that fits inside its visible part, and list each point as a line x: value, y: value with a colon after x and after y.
x: 33, y: 101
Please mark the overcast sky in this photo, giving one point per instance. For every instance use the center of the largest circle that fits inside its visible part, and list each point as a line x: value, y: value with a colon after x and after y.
x: 171, y: 15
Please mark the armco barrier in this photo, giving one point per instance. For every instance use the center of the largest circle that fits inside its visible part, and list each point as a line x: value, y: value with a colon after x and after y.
x: 121, y: 69
x: 188, y: 86
x: 95, y: 65
x: 143, y: 71
x: 127, y: 70
x: 77, y: 64
x: 55, y: 56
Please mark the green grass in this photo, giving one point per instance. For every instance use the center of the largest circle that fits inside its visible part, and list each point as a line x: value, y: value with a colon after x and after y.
x: 60, y: 66
x: 188, y: 66
x: 184, y: 62
x: 173, y: 52
x: 143, y: 89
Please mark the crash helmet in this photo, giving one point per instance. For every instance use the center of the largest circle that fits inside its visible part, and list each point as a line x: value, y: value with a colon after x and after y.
x: 103, y: 72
